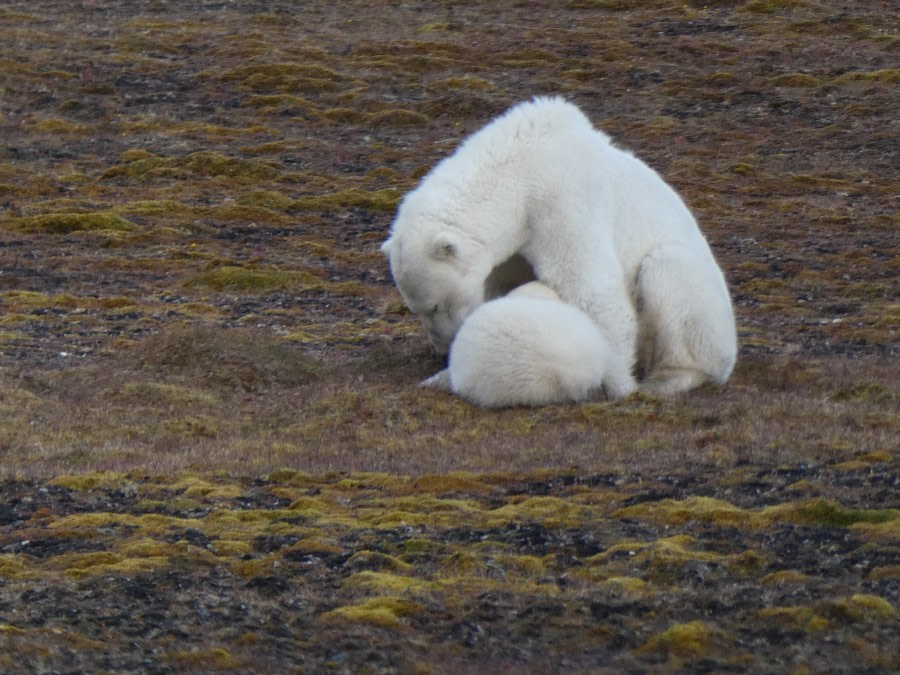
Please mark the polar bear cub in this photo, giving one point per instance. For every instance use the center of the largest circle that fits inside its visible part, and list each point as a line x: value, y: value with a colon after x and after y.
x: 530, y: 348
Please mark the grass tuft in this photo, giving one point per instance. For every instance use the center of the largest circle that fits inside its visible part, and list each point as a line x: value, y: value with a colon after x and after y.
x: 234, y: 279
x: 384, y: 612
x: 243, y: 359
x: 64, y: 223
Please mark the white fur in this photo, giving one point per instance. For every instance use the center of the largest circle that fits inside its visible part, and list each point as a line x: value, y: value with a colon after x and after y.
x: 529, y: 348
x: 594, y: 223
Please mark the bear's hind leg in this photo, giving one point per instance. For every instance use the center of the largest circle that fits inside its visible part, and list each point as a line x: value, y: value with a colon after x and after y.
x: 671, y: 381
x: 687, y: 330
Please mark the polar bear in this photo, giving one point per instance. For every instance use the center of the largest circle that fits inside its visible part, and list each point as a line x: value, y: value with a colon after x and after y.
x: 540, y: 193
x: 529, y: 348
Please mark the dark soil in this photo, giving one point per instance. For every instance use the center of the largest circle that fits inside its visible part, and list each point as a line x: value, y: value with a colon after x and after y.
x: 565, y: 573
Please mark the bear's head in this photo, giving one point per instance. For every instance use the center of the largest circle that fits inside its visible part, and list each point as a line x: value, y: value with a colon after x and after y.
x: 441, y: 277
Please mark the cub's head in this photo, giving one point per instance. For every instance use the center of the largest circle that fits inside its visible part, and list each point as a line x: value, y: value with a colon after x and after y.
x: 441, y: 277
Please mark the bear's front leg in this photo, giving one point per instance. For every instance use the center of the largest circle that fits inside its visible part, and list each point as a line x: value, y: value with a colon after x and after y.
x: 609, y: 305
x: 615, y: 316
x: 440, y: 381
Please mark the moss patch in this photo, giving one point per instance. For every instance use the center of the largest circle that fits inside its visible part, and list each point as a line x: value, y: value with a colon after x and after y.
x: 64, y: 223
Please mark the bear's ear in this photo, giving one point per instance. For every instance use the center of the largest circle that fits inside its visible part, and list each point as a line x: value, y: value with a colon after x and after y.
x: 386, y: 247
x: 445, y: 247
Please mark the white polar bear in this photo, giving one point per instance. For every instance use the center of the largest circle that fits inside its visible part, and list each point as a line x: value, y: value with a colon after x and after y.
x: 539, y: 185
x: 529, y: 348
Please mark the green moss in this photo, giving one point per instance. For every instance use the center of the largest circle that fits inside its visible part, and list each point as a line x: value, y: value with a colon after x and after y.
x: 13, y: 566
x: 159, y: 393
x: 397, y: 117
x: 550, y: 511
x: 244, y: 214
x: 286, y: 75
x: 146, y: 547
x: 385, y: 612
x: 674, y: 551
x: 373, y: 560
x: 154, y: 207
x: 388, y: 584
x: 91, y: 522
x: 784, y: 577
x: 90, y: 481
x: 195, y: 487
x: 888, y: 531
x: 389, y: 519
x: 291, y: 476
x: 168, y: 505
x: 192, y: 426
x: 309, y: 506
x: 467, y: 82
x: 413, y: 548
x: 228, y: 548
x: 628, y: 586
x: 343, y: 115
x: 268, y: 199
x: 673, y: 512
x: 828, y: 513
x: 317, y: 545
x: 215, y: 164
x: 26, y: 299
x: 64, y: 223
x: 435, y: 26
x: 885, y: 572
x: 201, y: 129
x: 801, y: 618
x: 284, y: 102
x: 519, y: 566
x: 75, y: 561
x: 662, y: 560
x: 135, y: 154
x: 886, y: 76
x: 795, y: 80
x: 63, y: 127
x: 771, y: 6
x: 244, y: 279
x: 864, y: 607
x: 688, y: 640
x: 210, y: 164
x: 376, y: 200
x: 869, y: 392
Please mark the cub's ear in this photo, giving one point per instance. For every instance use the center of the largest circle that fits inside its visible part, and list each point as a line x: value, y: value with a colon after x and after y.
x: 445, y: 247
x: 386, y: 247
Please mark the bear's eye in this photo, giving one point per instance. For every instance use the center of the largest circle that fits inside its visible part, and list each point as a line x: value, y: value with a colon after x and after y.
x: 433, y: 311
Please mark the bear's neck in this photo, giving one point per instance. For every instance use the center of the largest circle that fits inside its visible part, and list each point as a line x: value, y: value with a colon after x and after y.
x: 507, y: 231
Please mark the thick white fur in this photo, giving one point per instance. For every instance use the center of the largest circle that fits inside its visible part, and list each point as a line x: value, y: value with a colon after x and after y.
x: 529, y: 348
x: 594, y: 223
